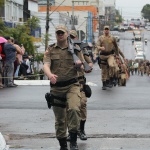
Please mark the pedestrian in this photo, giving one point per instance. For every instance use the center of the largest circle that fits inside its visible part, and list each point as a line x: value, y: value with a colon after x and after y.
x: 82, y: 81
x: 1, y: 64
x: 142, y: 69
x: 107, y: 46
x: 61, y: 70
x: 10, y: 56
x: 19, y: 59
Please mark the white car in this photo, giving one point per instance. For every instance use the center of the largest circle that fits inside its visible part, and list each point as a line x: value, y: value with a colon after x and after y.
x: 140, y: 53
x: 139, y: 57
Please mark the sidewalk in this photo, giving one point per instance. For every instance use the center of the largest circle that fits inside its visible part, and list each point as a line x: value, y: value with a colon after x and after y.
x: 3, y: 145
x: 32, y: 82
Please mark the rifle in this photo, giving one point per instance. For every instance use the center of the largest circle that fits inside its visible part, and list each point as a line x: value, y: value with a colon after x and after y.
x: 116, y: 48
x: 71, y: 49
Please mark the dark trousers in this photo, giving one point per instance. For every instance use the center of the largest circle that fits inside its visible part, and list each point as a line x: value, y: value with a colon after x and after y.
x: 8, y: 73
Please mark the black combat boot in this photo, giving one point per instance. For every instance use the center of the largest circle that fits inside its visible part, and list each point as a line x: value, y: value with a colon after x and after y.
x: 104, y: 85
x: 114, y: 81
x: 82, y: 132
x: 73, y: 141
x: 63, y: 144
x: 111, y: 82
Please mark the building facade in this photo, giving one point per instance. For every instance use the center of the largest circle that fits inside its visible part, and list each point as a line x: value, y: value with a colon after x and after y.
x: 56, y: 18
x: 17, y: 11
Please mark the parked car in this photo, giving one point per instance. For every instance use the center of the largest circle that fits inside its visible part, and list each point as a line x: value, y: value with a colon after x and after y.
x: 137, y: 38
x: 140, y: 57
x: 136, y: 33
x: 122, y: 29
x: 115, y: 28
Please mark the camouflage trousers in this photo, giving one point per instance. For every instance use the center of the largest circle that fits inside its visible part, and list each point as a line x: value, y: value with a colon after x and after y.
x: 107, y: 70
x: 69, y: 116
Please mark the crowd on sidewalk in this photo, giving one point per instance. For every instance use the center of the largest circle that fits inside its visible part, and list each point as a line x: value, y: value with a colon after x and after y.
x: 14, y: 62
x: 139, y: 67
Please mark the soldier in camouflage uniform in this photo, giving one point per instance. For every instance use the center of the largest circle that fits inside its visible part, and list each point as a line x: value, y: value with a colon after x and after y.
x: 107, y: 46
x: 60, y: 69
x: 82, y: 81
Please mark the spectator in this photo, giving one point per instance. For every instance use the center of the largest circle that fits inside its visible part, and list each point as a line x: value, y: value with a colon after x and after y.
x: 19, y: 62
x: 1, y: 64
x: 10, y: 56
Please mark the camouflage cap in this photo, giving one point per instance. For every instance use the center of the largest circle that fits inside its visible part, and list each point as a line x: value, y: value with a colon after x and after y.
x: 106, y: 27
x: 61, y: 28
x: 73, y: 33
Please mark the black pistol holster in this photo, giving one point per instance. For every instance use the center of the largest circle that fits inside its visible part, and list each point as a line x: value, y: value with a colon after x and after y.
x: 87, y: 90
x: 50, y: 101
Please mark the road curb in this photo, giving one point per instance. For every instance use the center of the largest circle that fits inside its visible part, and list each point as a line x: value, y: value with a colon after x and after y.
x: 3, y: 145
x: 32, y: 82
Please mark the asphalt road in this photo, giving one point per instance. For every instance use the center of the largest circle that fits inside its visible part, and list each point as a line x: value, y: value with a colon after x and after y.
x: 118, y: 118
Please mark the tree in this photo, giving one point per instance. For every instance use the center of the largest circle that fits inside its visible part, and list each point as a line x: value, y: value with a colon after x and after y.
x: 2, y: 26
x: 119, y: 18
x: 1, y: 3
x: 22, y: 33
x: 33, y: 23
x: 146, y: 11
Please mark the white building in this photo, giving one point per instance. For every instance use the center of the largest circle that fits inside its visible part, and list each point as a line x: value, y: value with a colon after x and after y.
x: 77, y: 2
x: 14, y: 11
x: 56, y: 19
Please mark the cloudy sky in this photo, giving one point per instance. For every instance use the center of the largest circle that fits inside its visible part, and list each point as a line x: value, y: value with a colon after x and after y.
x: 131, y: 8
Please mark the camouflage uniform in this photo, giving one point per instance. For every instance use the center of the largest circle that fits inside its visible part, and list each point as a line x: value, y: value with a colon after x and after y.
x: 66, y: 90
x: 82, y: 81
x: 123, y: 74
x: 107, y: 55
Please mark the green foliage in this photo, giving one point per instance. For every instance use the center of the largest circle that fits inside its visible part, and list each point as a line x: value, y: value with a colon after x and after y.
x: 2, y: 26
x: 146, y: 11
x: 38, y: 57
x: 32, y: 23
x: 21, y: 33
x: 1, y: 3
x: 119, y: 18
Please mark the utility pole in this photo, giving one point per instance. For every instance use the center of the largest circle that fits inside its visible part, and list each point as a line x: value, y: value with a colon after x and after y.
x: 47, y: 25
x: 72, y: 21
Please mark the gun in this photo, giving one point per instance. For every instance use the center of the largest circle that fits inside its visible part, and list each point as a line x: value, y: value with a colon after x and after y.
x: 71, y: 48
x: 82, y: 45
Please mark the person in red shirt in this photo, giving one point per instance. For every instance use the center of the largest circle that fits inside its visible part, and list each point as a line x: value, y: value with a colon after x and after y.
x: 2, y: 56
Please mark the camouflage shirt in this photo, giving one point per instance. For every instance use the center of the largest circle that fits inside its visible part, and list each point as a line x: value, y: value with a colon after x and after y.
x: 61, y: 62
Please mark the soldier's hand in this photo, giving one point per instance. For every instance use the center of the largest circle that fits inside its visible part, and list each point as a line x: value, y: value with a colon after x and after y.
x: 53, y: 78
x: 91, y: 65
x: 102, y: 48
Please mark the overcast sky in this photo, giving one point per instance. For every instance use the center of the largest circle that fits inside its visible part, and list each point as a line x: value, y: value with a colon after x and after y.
x: 131, y: 8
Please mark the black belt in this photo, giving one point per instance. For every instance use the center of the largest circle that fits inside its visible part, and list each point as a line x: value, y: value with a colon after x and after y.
x: 64, y: 83
x: 107, y: 53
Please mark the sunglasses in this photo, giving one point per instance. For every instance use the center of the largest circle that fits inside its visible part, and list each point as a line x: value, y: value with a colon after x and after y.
x: 72, y: 37
x: 60, y: 32
x: 106, y: 29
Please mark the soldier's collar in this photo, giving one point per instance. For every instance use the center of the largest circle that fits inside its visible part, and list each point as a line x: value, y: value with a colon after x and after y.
x: 107, y: 36
x: 59, y: 46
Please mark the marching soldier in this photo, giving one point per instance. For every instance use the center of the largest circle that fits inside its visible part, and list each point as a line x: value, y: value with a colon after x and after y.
x: 62, y: 72
x: 107, y: 46
x: 82, y: 81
